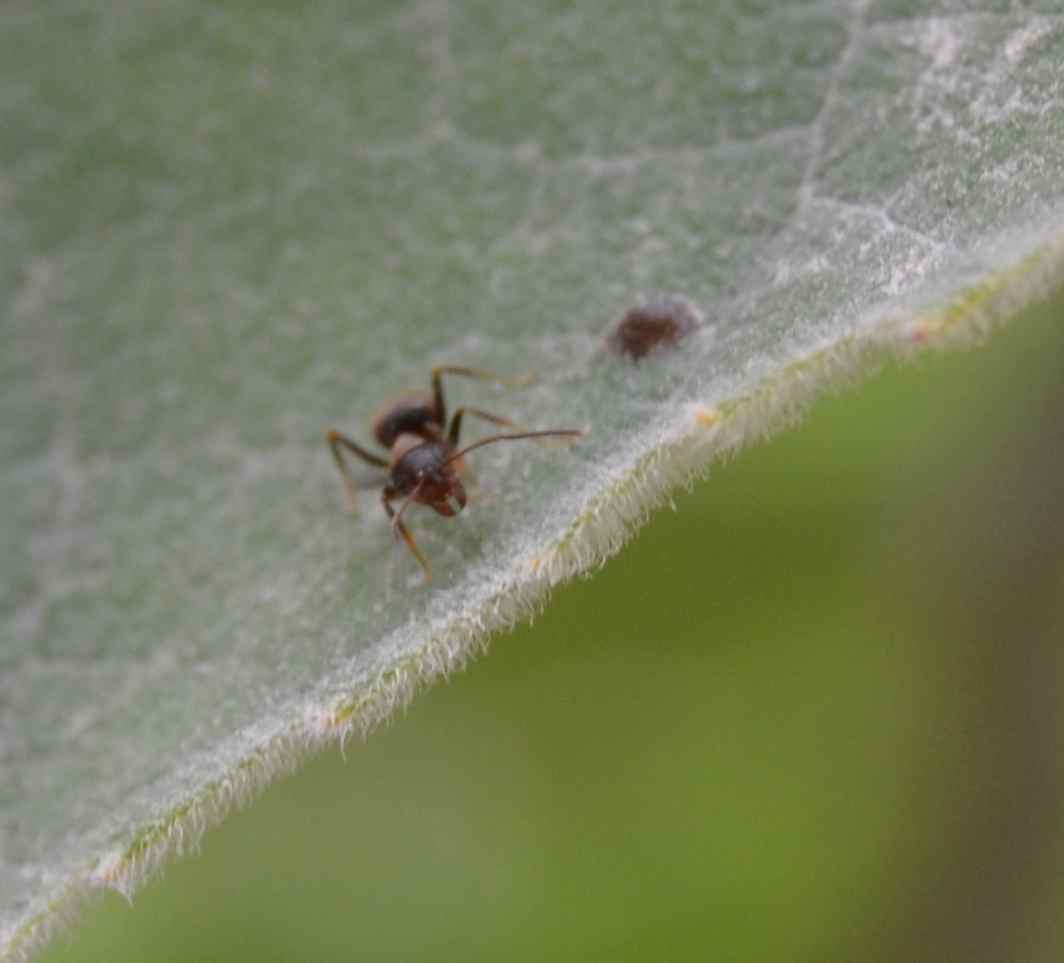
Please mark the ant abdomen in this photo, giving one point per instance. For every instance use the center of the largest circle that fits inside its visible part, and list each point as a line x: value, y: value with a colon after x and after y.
x: 410, y: 415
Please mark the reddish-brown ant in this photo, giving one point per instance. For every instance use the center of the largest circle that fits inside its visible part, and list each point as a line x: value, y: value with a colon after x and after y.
x: 424, y: 461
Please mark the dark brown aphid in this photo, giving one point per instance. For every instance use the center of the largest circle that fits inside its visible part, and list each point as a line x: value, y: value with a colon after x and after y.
x: 424, y: 462
x: 651, y: 326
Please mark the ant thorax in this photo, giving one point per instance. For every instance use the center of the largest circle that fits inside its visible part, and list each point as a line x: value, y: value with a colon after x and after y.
x: 403, y: 444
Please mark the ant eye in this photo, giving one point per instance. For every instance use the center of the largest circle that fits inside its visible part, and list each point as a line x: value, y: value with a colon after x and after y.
x: 647, y: 327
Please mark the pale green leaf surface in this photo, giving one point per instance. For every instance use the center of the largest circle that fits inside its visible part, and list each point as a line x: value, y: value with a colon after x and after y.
x: 226, y: 228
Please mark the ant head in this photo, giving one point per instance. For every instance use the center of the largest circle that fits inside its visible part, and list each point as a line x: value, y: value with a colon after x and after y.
x: 424, y: 471
x: 448, y: 498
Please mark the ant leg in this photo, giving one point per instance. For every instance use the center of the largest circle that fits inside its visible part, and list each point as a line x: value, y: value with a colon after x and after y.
x: 336, y: 441
x: 398, y: 519
x: 397, y: 525
x: 456, y: 422
x: 440, y: 406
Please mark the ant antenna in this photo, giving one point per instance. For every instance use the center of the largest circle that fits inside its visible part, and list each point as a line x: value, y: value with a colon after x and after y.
x: 514, y: 381
x: 564, y: 432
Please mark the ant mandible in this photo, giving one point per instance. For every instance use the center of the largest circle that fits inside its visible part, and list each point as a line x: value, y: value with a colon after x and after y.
x: 424, y: 461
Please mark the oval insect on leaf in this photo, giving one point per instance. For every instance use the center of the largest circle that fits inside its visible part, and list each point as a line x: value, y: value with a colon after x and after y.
x: 652, y: 327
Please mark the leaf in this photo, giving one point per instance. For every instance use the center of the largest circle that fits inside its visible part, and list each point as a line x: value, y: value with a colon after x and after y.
x: 226, y: 230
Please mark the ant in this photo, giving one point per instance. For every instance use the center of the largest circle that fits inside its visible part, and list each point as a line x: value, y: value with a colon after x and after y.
x: 424, y: 461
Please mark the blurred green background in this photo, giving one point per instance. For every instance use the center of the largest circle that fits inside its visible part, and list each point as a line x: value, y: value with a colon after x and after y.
x: 811, y: 715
